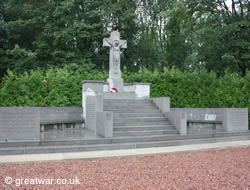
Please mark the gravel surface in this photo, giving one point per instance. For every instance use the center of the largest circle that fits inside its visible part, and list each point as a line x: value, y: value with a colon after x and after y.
x: 222, y: 169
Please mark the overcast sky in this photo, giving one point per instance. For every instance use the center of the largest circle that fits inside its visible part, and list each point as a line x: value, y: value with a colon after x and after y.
x: 229, y: 3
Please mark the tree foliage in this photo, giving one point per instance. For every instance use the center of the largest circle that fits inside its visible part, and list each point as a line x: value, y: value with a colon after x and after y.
x: 186, y: 34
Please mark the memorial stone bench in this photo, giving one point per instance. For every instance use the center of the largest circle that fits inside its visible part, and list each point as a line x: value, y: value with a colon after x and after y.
x: 60, y: 125
x: 209, y: 119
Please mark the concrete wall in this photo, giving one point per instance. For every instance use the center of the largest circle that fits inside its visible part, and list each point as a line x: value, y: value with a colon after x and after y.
x: 142, y: 90
x: 104, y: 124
x: 19, y: 124
x: 93, y: 104
x: 179, y: 120
x: 23, y: 123
x: 235, y: 119
x: 91, y: 88
x: 163, y: 103
x: 106, y: 87
x: 199, y: 113
x: 57, y: 114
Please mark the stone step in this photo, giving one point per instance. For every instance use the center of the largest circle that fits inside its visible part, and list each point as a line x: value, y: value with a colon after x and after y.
x: 141, y: 107
x: 127, y: 145
x: 140, y: 123
x: 63, y: 149
x: 134, y: 110
x: 140, y: 119
x: 117, y: 103
x: 143, y: 128
x: 122, y: 107
x: 190, y: 142
x: 175, y: 137
x: 98, y: 141
x: 144, y: 133
x: 127, y: 101
x: 134, y: 115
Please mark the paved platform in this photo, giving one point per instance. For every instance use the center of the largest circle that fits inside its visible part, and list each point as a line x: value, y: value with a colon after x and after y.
x: 68, y: 134
x: 120, y: 153
x: 83, y: 134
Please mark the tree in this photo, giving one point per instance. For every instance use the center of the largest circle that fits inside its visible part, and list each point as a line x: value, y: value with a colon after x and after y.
x: 72, y: 33
x: 187, y: 34
x: 221, y: 35
x: 20, y: 24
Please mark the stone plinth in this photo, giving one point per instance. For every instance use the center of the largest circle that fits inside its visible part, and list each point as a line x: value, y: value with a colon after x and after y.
x: 19, y: 124
x: 92, y: 102
x: 163, y: 103
x: 104, y: 124
x: 141, y: 90
x: 91, y: 88
x: 235, y: 119
x: 116, y: 83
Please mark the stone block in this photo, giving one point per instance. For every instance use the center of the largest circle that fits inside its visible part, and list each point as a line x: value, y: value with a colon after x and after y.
x: 235, y: 119
x: 116, y: 83
x: 19, y: 124
x: 104, y: 124
x: 91, y: 88
x: 200, y: 113
x: 106, y: 87
x: 94, y: 85
x: 142, y: 90
x: 93, y: 104
x: 61, y: 114
x: 163, y: 103
x: 179, y: 120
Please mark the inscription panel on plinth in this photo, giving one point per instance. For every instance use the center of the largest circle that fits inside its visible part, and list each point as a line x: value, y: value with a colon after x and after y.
x: 19, y: 123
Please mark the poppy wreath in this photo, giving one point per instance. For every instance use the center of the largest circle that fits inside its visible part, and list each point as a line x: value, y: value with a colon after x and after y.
x: 114, y: 90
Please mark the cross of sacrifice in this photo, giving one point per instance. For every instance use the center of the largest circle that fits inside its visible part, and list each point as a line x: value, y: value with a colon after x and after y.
x: 115, y: 44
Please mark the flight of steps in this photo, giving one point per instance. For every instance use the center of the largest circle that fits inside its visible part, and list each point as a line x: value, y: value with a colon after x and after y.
x: 138, y: 118
x: 116, y: 143
x: 137, y: 124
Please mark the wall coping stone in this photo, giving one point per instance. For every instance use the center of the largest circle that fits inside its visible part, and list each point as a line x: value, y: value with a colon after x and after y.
x: 134, y: 83
x: 93, y: 81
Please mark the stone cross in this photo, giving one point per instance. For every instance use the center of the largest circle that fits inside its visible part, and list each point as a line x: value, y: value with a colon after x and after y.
x: 115, y: 44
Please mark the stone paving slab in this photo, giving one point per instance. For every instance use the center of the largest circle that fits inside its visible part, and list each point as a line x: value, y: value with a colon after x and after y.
x: 120, y: 153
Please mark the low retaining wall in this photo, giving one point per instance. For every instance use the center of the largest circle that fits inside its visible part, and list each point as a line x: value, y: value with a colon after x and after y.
x: 141, y: 90
x: 57, y: 114
x: 19, y: 124
x: 23, y: 123
x: 61, y: 118
x: 179, y: 120
x: 163, y: 103
x: 233, y: 119
x: 199, y: 113
x: 104, y: 124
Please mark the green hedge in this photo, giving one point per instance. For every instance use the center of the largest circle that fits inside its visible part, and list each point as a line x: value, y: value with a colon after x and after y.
x: 56, y: 87
x: 62, y: 87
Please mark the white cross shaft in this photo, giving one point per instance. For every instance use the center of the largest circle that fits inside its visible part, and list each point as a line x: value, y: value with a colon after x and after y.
x: 115, y: 44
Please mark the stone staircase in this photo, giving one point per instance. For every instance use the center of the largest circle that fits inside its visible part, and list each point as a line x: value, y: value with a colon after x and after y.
x: 117, y: 143
x: 137, y: 124
x: 138, y: 118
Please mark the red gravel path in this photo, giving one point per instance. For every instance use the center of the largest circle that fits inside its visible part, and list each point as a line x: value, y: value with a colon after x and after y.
x: 223, y: 169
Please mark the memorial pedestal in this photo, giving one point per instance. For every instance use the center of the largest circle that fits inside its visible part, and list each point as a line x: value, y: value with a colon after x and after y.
x: 115, y: 83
